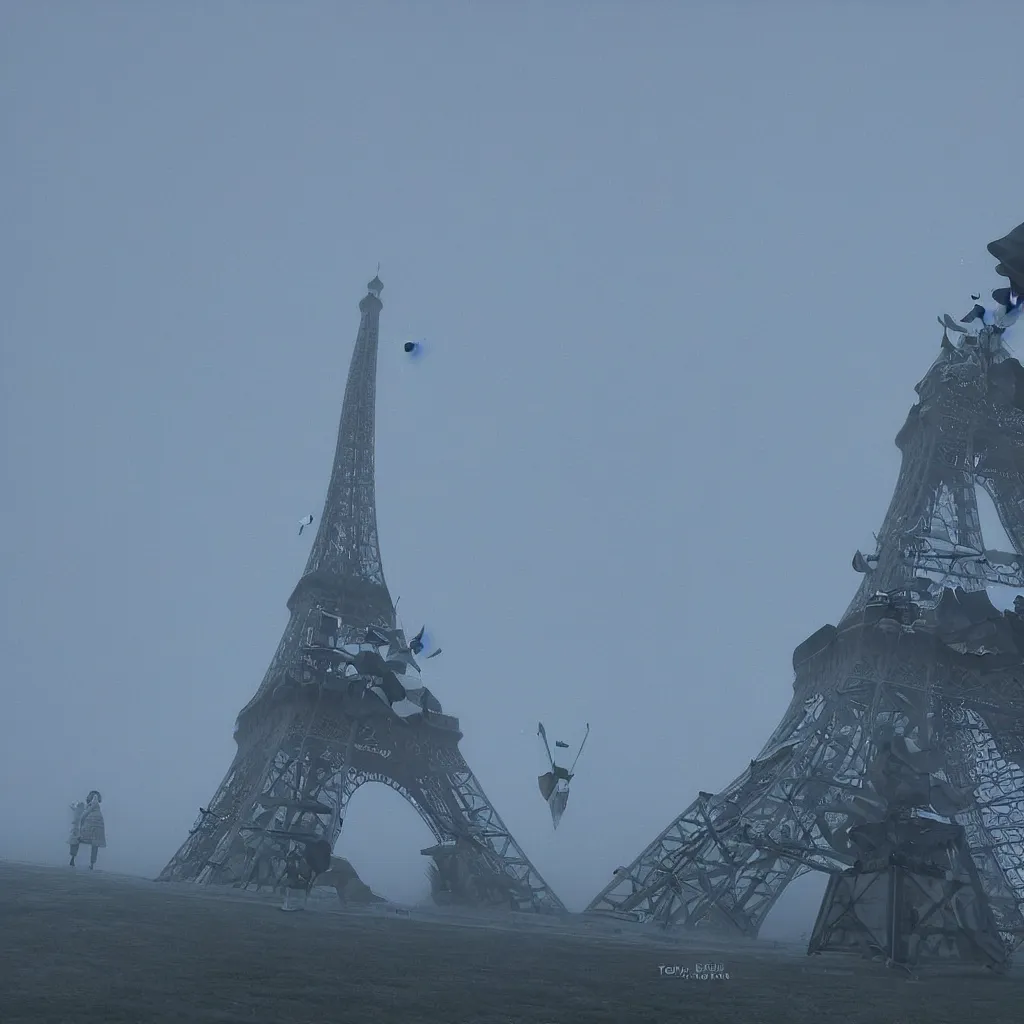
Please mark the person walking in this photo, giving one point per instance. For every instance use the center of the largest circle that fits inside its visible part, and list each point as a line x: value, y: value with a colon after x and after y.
x: 91, y: 829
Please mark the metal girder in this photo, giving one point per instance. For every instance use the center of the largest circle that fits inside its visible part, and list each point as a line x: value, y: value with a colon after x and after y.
x: 307, y: 793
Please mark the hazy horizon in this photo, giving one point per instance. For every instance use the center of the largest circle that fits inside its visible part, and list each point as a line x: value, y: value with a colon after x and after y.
x: 678, y: 266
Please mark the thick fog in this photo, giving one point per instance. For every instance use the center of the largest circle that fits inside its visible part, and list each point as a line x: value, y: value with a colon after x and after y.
x: 677, y: 267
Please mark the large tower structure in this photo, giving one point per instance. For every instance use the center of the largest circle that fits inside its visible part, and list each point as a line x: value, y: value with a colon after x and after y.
x: 342, y: 705
x: 911, y: 709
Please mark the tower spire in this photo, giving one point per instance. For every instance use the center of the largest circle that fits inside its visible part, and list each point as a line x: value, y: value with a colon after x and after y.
x: 344, y: 570
x: 344, y: 576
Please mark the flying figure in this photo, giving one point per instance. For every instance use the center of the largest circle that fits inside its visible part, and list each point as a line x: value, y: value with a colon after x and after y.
x: 419, y: 643
x: 304, y: 522
x: 413, y: 349
x: 416, y: 643
x: 554, y: 784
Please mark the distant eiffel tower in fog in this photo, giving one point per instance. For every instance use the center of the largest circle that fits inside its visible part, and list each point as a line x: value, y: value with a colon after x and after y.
x: 342, y: 704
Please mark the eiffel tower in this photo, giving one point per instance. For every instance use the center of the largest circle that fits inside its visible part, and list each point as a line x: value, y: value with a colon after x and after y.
x: 342, y: 705
x: 921, y: 666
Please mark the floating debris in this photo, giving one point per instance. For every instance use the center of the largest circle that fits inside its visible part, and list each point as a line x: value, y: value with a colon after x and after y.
x: 554, y: 784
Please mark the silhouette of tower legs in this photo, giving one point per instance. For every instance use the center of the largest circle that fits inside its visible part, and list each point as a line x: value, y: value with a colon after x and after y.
x: 914, y: 896
x: 301, y: 789
x: 727, y: 858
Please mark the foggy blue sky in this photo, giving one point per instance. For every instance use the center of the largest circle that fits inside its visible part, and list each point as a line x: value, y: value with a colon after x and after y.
x: 679, y: 266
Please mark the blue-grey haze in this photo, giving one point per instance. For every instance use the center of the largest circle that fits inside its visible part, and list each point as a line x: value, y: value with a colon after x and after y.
x: 679, y: 266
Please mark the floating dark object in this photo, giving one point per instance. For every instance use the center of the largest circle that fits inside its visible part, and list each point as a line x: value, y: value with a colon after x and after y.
x: 864, y: 563
x: 974, y: 297
x: 1007, y: 298
x: 554, y: 784
x: 1009, y: 250
x: 421, y: 642
x: 547, y: 784
x: 416, y: 643
x: 304, y: 522
x: 410, y: 346
x: 400, y: 651
x: 414, y: 349
x: 977, y: 313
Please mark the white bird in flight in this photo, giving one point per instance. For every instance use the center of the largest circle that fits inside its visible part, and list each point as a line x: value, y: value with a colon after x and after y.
x: 303, y: 523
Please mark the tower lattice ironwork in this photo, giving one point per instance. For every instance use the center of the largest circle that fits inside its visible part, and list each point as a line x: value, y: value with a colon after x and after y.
x: 342, y: 704
x: 921, y: 666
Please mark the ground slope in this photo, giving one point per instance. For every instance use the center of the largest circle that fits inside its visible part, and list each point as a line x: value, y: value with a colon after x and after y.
x: 88, y: 948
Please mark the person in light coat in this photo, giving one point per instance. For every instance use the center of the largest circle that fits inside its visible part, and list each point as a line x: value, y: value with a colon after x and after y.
x: 91, y: 829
